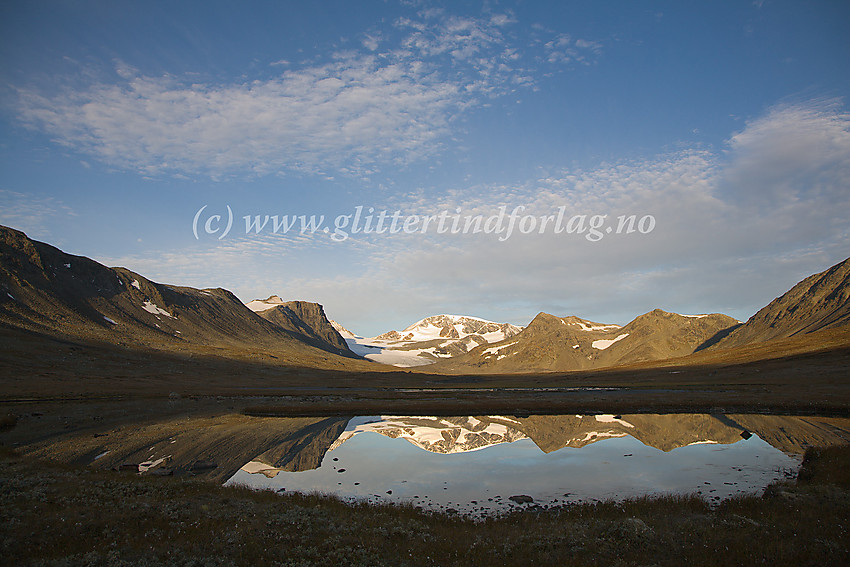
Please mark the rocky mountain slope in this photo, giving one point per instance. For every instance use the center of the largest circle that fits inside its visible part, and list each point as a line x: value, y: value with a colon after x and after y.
x: 821, y: 301
x: 305, y: 320
x: 551, y: 343
x: 45, y: 290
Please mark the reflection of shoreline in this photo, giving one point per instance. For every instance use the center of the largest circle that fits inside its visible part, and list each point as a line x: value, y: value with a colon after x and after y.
x: 216, y: 447
x: 665, y: 432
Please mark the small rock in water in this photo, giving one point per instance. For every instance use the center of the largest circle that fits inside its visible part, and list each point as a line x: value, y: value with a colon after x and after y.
x: 521, y: 499
x: 389, y: 491
x: 341, y: 470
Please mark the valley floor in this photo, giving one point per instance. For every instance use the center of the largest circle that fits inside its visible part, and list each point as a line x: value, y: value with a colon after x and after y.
x: 800, y: 376
x: 56, y: 514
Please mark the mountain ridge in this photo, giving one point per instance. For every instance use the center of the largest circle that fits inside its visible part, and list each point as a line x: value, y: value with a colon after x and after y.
x: 820, y: 301
x: 551, y: 343
x: 304, y: 319
x: 46, y: 290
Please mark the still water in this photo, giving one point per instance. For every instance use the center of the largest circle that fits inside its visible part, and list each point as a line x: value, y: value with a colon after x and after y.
x: 491, y: 464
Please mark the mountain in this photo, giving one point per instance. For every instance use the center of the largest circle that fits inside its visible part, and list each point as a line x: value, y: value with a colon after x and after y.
x: 303, y: 319
x: 551, y: 343
x: 435, y: 434
x: 821, y: 301
x: 343, y: 332
x: 46, y: 291
x: 431, y: 339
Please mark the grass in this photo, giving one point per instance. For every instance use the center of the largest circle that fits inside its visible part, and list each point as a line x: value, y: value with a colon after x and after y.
x: 55, y: 515
x: 8, y: 421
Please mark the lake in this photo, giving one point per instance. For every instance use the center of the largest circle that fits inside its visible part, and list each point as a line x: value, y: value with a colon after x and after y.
x: 479, y: 465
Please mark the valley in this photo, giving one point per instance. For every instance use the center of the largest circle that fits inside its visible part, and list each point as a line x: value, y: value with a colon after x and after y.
x: 184, y: 390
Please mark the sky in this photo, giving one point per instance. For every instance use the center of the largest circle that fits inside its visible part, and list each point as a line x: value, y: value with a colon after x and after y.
x: 159, y: 136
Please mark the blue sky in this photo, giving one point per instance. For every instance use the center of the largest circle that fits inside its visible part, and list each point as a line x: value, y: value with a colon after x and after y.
x: 727, y: 122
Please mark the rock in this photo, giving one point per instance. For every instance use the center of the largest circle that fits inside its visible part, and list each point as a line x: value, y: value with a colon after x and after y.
x: 521, y: 499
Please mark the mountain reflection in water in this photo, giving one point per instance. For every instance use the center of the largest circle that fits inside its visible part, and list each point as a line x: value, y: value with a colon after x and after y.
x: 451, y: 462
x: 475, y: 464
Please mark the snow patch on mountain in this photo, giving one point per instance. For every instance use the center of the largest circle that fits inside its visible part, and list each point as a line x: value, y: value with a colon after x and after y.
x: 258, y: 305
x: 602, y: 344
x: 494, y: 350
x: 153, y: 308
x: 588, y: 326
x: 609, y: 418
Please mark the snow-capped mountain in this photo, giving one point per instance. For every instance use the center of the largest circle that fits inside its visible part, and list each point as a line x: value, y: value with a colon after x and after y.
x: 434, y: 434
x: 431, y: 339
x: 454, y: 327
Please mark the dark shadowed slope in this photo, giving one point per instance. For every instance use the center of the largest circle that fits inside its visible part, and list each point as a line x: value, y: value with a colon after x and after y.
x: 305, y: 320
x: 45, y: 290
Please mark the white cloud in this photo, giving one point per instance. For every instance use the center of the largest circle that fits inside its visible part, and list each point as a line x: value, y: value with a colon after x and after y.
x: 32, y: 214
x: 347, y: 114
x: 723, y: 240
x: 352, y: 115
x: 564, y: 49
